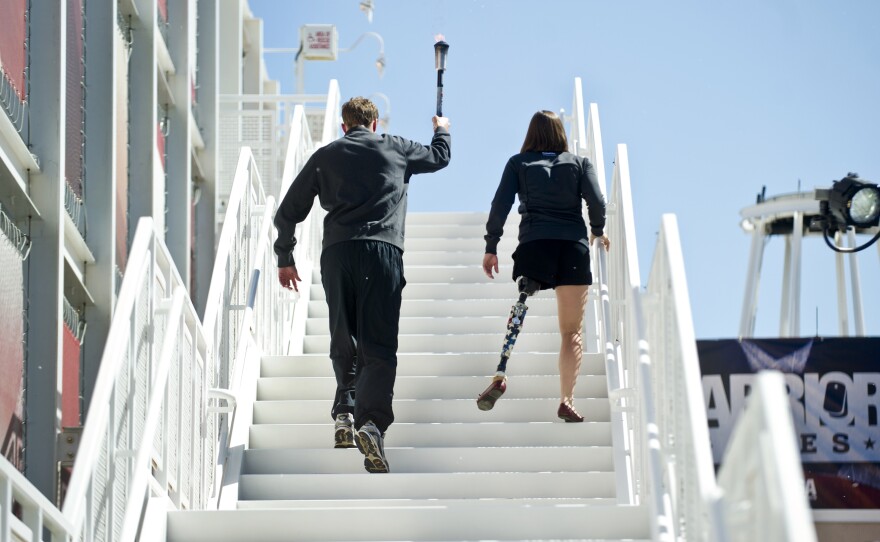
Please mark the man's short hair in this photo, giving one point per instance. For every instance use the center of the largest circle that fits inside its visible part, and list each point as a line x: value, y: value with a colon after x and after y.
x: 359, y: 111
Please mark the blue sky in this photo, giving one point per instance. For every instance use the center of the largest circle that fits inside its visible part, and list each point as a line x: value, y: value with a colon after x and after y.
x: 713, y: 99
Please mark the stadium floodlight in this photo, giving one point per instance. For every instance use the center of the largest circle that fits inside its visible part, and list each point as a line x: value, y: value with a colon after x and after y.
x: 850, y: 202
x: 853, y: 202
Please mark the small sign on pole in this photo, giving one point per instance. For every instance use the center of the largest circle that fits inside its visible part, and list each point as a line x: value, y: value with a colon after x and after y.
x: 319, y: 41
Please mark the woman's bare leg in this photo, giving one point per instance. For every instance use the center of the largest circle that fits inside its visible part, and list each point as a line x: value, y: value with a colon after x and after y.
x: 571, y: 302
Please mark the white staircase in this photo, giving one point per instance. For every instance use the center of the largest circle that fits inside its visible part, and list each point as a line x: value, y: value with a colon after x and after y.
x: 457, y: 473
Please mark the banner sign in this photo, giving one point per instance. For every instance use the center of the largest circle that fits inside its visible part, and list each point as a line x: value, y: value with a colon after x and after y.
x: 834, y: 392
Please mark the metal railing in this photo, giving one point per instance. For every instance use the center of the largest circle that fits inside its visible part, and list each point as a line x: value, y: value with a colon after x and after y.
x: 760, y: 466
x: 273, y: 126
x: 147, y: 426
x: 37, y: 513
x: 668, y: 379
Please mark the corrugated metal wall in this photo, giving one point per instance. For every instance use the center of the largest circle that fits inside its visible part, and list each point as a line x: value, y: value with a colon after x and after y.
x: 73, y: 163
x: 11, y: 352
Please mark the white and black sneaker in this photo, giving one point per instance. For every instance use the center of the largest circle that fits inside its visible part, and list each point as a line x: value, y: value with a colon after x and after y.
x: 370, y: 443
x: 344, y: 431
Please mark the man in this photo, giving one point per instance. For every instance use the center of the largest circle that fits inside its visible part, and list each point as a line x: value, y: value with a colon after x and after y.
x: 361, y: 181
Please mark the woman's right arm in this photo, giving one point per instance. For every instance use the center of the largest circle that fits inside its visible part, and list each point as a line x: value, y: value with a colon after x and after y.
x: 501, y: 204
x: 592, y: 194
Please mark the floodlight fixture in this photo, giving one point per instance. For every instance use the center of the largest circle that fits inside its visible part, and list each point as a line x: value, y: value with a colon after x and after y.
x: 853, y: 202
x: 850, y: 202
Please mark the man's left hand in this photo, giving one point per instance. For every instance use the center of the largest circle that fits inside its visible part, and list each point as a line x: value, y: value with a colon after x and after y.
x: 288, y: 277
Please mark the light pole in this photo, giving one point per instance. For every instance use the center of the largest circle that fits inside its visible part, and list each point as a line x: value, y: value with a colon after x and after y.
x: 327, y: 50
x: 367, y: 7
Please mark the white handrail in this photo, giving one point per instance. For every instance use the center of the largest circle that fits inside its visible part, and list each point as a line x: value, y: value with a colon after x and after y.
x: 672, y: 388
x: 331, y: 113
x: 637, y: 448
x: 763, y: 483
x: 156, y: 361
x: 37, y: 512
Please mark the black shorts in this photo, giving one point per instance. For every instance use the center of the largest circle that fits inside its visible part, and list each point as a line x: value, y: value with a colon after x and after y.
x: 553, y: 262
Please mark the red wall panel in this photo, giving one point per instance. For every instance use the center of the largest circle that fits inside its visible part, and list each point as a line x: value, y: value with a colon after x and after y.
x: 11, y: 353
x: 70, y: 411
x: 12, y: 38
x: 163, y: 9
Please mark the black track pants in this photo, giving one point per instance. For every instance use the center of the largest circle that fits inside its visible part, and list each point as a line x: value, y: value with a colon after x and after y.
x: 363, y: 282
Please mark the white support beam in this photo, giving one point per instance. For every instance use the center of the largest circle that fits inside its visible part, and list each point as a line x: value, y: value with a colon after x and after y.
x: 100, y: 182
x: 178, y: 181
x: 753, y: 275
x: 231, y: 46
x: 842, y: 310
x: 208, y: 92
x: 145, y: 182
x: 797, y: 238
x: 856, y: 287
x: 785, y: 306
x: 44, y: 283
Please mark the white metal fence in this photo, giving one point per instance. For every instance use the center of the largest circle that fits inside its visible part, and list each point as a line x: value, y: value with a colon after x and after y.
x: 761, y: 502
x: 147, y: 425
x: 671, y: 391
x: 662, y: 452
x: 38, y: 514
x: 279, y: 130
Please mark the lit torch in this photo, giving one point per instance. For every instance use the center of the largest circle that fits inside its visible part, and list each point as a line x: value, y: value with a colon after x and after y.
x: 440, y: 50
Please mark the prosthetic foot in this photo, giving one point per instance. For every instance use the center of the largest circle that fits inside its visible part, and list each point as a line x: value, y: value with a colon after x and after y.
x: 496, y: 389
x: 527, y: 287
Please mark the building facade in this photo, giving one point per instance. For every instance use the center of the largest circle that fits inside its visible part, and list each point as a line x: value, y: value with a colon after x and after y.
x: 110, y: 112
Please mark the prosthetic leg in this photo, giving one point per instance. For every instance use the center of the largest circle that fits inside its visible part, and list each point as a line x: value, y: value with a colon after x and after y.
x: 527, y: 288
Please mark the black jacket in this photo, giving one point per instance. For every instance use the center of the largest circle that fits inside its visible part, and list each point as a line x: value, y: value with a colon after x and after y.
x: 550, y: 187
x: 361, y: 181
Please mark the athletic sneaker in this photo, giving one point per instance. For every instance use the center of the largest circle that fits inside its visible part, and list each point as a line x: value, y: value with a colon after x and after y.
x: 344, y: 431
x: 369, y: 442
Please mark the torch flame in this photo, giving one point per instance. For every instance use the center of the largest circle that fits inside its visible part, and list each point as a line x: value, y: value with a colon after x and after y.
x: 439, y: 37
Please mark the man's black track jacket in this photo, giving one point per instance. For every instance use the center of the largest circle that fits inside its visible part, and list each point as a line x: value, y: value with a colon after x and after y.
x: 361, y: 181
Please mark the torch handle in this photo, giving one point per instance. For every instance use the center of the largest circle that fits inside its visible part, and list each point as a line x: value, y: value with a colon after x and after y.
x: 439, y: 93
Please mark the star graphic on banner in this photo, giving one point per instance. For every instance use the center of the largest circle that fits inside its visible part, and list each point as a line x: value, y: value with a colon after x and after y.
x: 869, y: 444
x: 790, y: 363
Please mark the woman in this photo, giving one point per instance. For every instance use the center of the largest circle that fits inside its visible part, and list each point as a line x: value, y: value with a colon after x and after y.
x: 553, y: 249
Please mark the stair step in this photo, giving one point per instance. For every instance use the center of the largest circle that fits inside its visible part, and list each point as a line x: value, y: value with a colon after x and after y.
x: 393, y: 485
x: 347, y: 504
x: 543, y: 305
x: 453, y: 231
x: 459, y: 218
x: 524, y: 363
x: 432, y: 460
x: 463, y: 520
x: 507, y: 244
x: 451, y: 257
x: 515, y: 472
x: 446, y: 272
x: 434, y: 411
x: 535, y: 323
x: 477, y: 342
x: 440, y: 435
x: 497, y: 289
x: 430, y: 387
